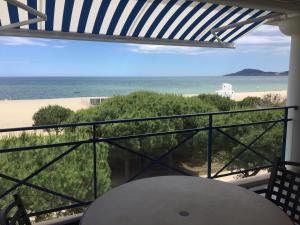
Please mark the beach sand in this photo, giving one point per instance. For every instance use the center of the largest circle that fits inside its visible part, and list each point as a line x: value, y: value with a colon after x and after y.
x: 18, y: 113
x: 238, y: 96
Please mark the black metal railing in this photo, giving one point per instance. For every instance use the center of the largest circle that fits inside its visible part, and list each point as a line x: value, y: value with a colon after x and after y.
x: 210, y: 127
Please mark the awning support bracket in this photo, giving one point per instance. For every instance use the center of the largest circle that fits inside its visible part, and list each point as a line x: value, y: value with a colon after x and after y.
x: 40, y: 16
x: 239, y: 24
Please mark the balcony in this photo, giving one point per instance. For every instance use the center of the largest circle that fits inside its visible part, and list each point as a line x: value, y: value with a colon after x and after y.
x: 61, y: 169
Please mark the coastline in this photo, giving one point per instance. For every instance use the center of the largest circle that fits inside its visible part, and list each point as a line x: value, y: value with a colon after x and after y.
x: 18, y: 113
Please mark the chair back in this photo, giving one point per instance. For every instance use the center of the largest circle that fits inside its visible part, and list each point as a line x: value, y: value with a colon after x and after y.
x: 14, y: 213
x: 284, y: 188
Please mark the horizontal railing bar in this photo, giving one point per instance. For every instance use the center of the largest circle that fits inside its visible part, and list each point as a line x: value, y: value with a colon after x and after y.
x: 242, y: 171
x: 252, y: 110
x: 59, y: 209
x: 27, y: 148
x: 182, y: 131
x: 290, y: 163
x: 150, y: 134
x: 249, y: 124
x: 139, y: 119
x: 99, y: 140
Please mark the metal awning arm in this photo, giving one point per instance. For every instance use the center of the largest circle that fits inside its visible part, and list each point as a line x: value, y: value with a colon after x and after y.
x: 239, y: 24
x: 40, y: 16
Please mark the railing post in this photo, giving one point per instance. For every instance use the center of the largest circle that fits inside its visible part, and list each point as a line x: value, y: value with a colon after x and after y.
x: 285, y: 123
x: 94, y: 162
x: 209, y: 145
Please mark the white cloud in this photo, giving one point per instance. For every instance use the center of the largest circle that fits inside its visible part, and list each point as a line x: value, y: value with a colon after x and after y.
x: 162, y: 49
x: 58, y: 46
x: 16, y: 41
x: 265, y: 39
x: 23, y: 41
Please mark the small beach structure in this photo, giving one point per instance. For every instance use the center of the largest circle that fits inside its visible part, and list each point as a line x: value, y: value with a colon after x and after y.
x: 97, y: 100
x: 226, y: 90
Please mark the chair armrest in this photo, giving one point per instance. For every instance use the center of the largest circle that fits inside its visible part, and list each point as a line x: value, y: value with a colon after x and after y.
x: 261, y: 191
x: 66, y: 220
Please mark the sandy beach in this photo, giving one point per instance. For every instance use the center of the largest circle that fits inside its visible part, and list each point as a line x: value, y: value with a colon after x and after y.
x: 238, y: 96
x: 18, y: 113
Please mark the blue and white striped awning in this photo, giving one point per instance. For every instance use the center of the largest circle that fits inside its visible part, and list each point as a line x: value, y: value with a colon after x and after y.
x: 174, y: 22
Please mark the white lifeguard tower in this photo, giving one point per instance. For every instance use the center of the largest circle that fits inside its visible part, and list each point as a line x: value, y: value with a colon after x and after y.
x: 226, y: 90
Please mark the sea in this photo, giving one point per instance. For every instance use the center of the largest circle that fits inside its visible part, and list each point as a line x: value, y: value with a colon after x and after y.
x: 68, y: 87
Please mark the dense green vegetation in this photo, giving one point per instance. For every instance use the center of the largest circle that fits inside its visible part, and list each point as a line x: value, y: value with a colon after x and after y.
x: 192, y: 153
x: 72, y: 175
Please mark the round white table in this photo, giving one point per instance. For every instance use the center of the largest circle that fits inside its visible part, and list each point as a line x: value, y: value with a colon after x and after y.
x: 182, y: 200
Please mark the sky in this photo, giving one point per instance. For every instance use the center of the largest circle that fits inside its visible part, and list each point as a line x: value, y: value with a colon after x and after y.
x: 265, y: 49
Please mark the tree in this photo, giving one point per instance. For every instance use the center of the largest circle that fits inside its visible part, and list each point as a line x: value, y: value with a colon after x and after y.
x: 52, y: 114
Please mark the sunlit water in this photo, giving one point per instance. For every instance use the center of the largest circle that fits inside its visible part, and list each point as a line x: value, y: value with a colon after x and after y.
x: 66, y: 87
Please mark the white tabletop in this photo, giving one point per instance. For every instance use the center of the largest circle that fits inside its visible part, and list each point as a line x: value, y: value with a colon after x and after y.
x: 182, y: 200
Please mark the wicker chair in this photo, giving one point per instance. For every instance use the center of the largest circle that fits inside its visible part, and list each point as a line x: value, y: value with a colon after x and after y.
x: 284, y: 188
x: 14, y: 213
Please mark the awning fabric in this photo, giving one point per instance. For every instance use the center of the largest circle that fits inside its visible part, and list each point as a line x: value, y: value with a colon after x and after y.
x: 178, y: 22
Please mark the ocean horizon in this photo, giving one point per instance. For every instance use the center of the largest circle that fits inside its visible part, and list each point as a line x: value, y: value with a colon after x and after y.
x: 34, y: 87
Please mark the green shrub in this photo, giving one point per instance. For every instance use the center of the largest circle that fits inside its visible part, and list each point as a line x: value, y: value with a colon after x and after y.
x: 250, y: 102
x: 222, y: 103
x: 52, y: 114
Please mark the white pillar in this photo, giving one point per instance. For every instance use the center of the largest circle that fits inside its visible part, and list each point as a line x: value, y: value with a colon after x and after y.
x: 291, y: 27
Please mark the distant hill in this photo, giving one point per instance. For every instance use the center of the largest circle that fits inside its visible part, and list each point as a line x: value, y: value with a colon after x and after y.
x: 253, y: 72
